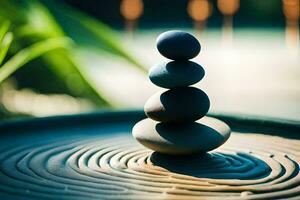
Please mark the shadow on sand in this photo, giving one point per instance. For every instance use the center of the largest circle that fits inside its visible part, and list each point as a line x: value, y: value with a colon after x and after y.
x: 241, y: 166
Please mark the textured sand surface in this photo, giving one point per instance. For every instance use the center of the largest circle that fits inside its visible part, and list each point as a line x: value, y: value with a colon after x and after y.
x: 63, y: 164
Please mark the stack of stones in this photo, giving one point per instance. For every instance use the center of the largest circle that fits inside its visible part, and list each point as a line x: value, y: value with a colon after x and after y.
x: 171, y: 126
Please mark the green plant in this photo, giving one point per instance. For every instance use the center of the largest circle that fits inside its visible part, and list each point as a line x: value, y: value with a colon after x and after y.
x: 25, y: 55
x: 37, y: 30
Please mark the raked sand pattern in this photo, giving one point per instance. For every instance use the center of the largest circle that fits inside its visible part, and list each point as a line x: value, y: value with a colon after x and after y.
x: 248, y: 166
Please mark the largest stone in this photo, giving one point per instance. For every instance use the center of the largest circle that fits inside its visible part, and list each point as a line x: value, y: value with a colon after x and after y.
x: 180, y: 139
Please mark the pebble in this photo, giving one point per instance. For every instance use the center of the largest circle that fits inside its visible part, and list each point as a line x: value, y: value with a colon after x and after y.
x: 178, y: 45
x: 181, y: 139
x: 177, y: 105
x: 176, y: 74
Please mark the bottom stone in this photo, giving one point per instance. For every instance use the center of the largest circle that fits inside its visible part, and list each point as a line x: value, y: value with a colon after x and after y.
x: 178, y: 139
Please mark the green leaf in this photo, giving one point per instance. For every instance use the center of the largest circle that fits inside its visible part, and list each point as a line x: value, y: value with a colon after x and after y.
x: 40, y: 22
x: 5, y: 45
x: 3, y: 29
x: 90, y: 27
x: 26, y: 55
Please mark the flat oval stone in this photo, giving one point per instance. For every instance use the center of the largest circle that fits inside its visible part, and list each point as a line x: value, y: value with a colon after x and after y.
x: 178, y: 45
x: 177, y: 105
x: 176, y: 74
x: 180, y: 139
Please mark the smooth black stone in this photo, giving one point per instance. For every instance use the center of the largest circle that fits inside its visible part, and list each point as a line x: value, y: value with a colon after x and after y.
x: 181, y: 139
x: 178, y: 45
x: 176, y: 74
x: 185, y: 104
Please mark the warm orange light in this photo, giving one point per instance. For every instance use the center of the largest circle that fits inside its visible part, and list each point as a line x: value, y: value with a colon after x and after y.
x: 291, y: 9
x: 199, y: 10
x: 228, y: 7
x: 131, y: 9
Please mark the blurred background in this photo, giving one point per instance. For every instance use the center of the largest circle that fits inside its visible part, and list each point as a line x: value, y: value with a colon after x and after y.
x: 72, y: 56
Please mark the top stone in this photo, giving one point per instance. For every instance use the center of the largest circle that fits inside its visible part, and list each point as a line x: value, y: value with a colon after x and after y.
x: 178, y: 45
